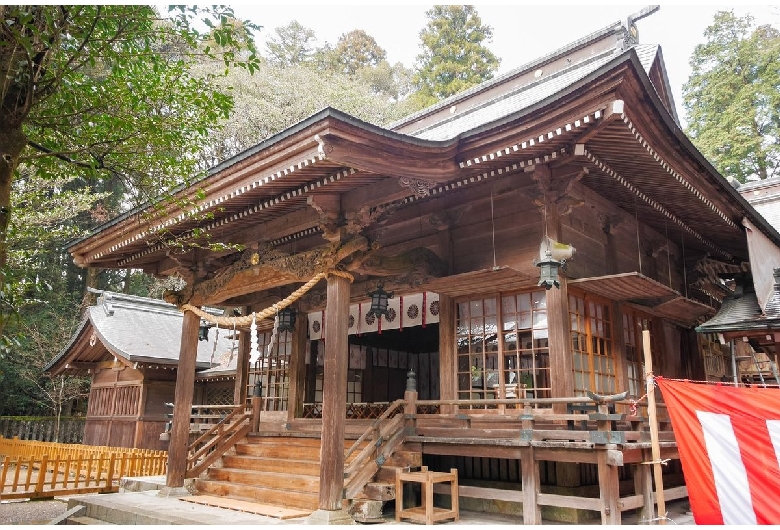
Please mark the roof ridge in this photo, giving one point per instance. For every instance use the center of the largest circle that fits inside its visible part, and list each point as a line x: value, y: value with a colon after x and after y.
x: 615, y: 28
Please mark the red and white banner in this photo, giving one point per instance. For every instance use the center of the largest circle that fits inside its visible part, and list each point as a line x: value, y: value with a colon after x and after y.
x: 729, y: 444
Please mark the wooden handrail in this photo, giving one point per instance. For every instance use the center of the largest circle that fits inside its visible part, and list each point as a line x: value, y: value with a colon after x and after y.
x: 217, y: 440
x: 362, y: 468
x: 386, y: 414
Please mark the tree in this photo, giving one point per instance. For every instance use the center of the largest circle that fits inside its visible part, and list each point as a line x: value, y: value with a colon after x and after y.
x: 355, y: 50
x: 454, y: 57
x: 273, y: 99
x: 105, y: 91
x: 292, y: 45
x: 732, y: 97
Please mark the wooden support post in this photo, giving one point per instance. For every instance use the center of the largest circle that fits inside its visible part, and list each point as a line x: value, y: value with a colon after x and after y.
x: 242, y: 366
x: 185, y: 384
x: 653, y: 420
x: 297, y: 368
x: 257, y: 407
x: 448, y: 384
x: 609, y: 490
x: 532, y: 512
x: 561, y: 369
x: 334, y: 388
x: 643, y: 485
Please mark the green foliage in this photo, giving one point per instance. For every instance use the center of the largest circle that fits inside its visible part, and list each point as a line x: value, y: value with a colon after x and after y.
x: 100, y: 110
x: 732, y: 98
x: 271, y: 100
x: 355, y: 50
x: 453, y: 56
x: 293, y: 44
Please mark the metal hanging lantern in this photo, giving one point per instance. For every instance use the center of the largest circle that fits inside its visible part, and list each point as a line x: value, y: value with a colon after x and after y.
x: 203, y: 331
x: 548, y: 276
x: 287, y: 318
x: 379, y: 301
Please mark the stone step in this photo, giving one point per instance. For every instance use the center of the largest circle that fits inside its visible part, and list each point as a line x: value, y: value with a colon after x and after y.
x: 82, y: 519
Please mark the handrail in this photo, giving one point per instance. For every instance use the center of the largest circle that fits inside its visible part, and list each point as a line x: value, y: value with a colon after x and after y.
x: 386, y: 414
x: 368, y: 450
x: 217, y: 440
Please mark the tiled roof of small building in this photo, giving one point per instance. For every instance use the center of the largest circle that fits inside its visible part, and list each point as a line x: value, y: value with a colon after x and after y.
x: 146, y: 330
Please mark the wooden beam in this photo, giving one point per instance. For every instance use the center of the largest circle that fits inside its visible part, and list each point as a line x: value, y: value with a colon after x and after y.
x: 185, y: 385
x: 435, y: 165
x: 334, y: 384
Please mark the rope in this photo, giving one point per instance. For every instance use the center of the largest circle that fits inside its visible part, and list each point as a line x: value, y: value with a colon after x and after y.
x: 269, y: 311
x: 635, y: 402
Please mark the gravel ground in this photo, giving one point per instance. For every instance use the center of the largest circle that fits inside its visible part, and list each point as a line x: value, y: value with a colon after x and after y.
x: 31, y: 512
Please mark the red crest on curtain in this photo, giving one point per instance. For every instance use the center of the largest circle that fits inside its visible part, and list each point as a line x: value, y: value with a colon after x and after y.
x: 729, y: 444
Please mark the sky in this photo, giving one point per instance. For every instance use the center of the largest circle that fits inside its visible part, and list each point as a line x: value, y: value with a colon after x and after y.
x: 521, y: 32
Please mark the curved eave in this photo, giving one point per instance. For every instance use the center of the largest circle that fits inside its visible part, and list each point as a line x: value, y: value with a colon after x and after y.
x: 707, y: 203
x: 276, y: 177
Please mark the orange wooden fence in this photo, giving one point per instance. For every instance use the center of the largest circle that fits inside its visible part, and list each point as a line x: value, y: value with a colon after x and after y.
x: 33, y: 469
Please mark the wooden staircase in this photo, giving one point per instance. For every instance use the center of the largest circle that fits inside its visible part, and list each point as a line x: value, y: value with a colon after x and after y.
x: 274, y: 471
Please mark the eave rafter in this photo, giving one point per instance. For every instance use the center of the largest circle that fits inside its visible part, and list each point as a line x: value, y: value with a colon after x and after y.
x: 517, y: 148
x: 580, y: 150
x: 205, y: 207
x: 259, y: 207
x: 671, y: 171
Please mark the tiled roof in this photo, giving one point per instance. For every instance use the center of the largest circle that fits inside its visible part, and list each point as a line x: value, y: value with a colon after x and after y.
x: 146, y: 330
x: 523, y: 97
x: 735, y: 313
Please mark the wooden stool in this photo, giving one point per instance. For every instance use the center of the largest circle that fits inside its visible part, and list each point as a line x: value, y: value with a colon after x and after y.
x: 426, y: 513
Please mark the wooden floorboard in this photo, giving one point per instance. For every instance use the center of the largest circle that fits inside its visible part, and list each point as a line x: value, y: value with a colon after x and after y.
x: 278, y: 512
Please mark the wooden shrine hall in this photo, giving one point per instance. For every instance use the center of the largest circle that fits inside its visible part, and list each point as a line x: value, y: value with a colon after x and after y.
x: 461, y: 280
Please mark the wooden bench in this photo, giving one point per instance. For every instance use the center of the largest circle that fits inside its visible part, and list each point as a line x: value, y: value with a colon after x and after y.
x: 426, y: 513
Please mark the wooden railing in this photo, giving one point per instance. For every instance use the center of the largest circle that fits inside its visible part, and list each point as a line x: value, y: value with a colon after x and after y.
x: 385, y: 434
x: 218, y: 439
x: 32, y: 470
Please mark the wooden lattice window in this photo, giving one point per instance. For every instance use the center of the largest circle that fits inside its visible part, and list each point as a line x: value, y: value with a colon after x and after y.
x: 272, y: 370
x: 219, y: 396
x: 593, y: 359
x: 633, y: 324
x: 477, y: 340
x: 525, y: 344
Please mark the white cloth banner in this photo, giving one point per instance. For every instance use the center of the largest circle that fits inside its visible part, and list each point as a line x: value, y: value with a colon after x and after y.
x: 405, y: 311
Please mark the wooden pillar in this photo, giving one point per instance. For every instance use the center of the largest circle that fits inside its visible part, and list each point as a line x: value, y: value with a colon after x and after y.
x: 334, y: 394
x: 619, y: 349
x: 609, y: 490
x: 185, y: 384
x: 558, y: 324
x: 532, y: 512
x: 554, y: 190
x: 297, y: 368
x: 242, y: 366
x: 448, y: 381
x: 643, y: 485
